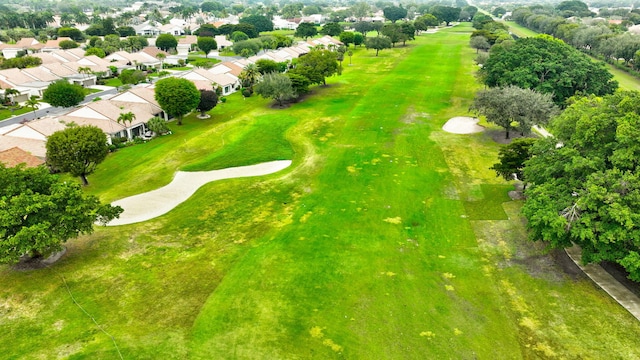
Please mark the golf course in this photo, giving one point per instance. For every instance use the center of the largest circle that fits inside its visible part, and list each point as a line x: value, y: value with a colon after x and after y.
x: 385, y: 238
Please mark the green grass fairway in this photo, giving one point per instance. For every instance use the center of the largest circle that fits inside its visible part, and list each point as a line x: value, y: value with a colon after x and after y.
x: 387, y: 238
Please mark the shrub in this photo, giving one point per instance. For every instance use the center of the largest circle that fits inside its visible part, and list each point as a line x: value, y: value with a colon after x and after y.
x: 246, y: 92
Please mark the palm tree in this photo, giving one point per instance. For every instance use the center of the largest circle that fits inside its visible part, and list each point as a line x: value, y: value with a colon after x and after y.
x: 66, y: 19
x: 126, y: 117
x: 161, y: 56
x: 250, y: 75
x: 10, y: 93
x: 33, y: 104
x: 84, y: 70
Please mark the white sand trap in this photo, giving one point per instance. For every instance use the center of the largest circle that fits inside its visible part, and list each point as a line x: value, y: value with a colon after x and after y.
x: 158, y: 202
x: 463, y: 125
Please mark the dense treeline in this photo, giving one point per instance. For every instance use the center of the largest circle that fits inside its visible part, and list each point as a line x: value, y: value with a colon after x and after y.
x: 610, y: 42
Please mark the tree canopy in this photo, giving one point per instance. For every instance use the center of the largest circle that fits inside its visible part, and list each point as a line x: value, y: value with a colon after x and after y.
x: 40, y: 212
x: 177, y: 96
x: 260, y: 22
x: 306, y: 30
x: 394, y: 13
x: 585, y: 184
x: 166, y: 42
x: 378, y: 43
x: 275, y: 86
x: 512, y: 157
x: 331, y: 29
x: 62, y: 93
x: 446, y: 13
x: 77, y: 150
x: 317, y: 65
x: 549, y: 66
x: 513, y: 107
x: 207, y: 44
x: 208, y: 100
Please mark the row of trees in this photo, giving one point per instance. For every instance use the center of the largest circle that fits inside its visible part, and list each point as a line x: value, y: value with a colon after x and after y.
x: 610, y: 42
x: 584, y: 184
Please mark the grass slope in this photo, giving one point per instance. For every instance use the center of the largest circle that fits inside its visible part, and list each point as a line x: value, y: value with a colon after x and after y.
x: 365, y: 248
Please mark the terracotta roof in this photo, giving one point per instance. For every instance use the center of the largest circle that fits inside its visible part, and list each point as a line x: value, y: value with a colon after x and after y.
x: 55, y: 43
x: 236, y: 69
x: 153, y: 51
x: 189, y: 39
x: 33, y: 146
x: 15, y: 155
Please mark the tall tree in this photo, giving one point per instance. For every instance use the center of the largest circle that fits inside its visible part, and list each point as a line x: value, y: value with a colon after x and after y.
x: 306, y: 30
x: 446, y: 13
x: 208, y: 100
x: 393, y: 32
x: 125, y: 118
x: 587, y: 191
x: 249, y: 75
x: 347, y: 37
x: 33, y: 103
x: 547, y: 65
x: 77, y: 150
x: 275, y: 86
x: 260, y: 22
x: 207, y: 44
x: 378, y: 43
x: 331, y: 29
x: 479, y: 43
x: 40, y: 212
x: 63, y: 94
x: 512, y: 157
x: 166, y: 42
x: 513, y: 107
x: 320, y: 63
x: 394, y: 13
x: 177, y: 96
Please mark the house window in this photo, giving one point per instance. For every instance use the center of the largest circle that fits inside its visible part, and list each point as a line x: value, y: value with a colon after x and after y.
x: 227, y: 89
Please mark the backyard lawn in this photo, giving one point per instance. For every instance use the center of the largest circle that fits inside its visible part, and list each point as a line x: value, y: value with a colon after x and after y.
x: 387, y: 238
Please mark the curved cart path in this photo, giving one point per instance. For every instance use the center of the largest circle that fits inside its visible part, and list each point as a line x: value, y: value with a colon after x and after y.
x: 158, y: 202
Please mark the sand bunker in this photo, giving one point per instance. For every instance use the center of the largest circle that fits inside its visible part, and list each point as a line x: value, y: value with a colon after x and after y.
x: 158, y: 202
x: 463, y: 125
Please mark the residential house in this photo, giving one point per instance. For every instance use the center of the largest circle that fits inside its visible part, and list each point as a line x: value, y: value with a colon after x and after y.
x: 104, y: 115
x: 280, y: 23
x: 141, y: 60
x: 222, y: 42
x: 30, y: 136
x: 143, y: 97
x: 147, y: 29
x: 204, y: 79
x: 53, y: 44
x: 28, y: 45
x: 15, y: 156
x: 175, y: 30
x: 185, y: 44
x: 23, y: 82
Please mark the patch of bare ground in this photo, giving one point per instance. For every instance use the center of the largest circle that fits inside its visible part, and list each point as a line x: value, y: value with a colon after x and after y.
x: 498, y: 135
x: 27, y: 263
